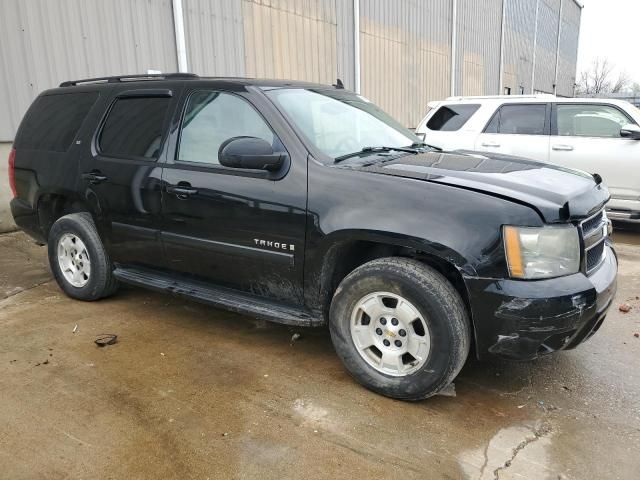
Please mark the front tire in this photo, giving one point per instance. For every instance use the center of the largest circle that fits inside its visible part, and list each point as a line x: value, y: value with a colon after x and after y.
x: 400, y: 328
x: 78, y: 259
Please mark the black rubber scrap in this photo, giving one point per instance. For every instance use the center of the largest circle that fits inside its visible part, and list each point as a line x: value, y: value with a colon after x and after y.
x: 105, y: 339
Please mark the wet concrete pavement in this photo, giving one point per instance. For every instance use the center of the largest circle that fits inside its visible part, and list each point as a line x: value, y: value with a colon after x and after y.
x: 193, y: 392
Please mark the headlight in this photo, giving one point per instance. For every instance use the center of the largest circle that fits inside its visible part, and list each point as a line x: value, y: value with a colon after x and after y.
x: 542, y: 252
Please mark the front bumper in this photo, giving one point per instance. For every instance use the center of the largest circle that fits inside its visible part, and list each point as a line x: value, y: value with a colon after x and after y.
x: 525, y: 319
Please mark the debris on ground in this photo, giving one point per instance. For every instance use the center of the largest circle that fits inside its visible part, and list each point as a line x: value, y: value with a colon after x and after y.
x: 547, y: 407
x: 624, y: 308
x: 162, y: 354
x: 105, y: 339
x: 225, y: 434
x: 294, y: 338
x: 75, y: 329
x: 448, y: 391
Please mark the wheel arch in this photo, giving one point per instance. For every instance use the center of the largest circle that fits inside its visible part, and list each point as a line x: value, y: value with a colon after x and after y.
x: 51, y: 206
x: 347, y: 251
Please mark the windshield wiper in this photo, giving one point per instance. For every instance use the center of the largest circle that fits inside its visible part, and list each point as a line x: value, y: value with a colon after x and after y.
x: 366, y: 150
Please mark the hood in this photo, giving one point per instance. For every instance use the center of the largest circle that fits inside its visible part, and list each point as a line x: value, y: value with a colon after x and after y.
x: 558, y: 194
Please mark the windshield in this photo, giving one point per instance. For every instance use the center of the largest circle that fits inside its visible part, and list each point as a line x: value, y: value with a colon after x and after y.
x: 338, y: 122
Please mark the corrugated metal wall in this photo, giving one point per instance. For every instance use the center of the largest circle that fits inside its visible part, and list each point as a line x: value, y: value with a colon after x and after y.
x: 291, y: 39
x: 405, y: 52
x: 520, y: 29
x: 214, y: 37
x: 567, y: 53
x: 43, y: 43
x: 345, y: 43
x: 546, y: 45
x: 478, y: 47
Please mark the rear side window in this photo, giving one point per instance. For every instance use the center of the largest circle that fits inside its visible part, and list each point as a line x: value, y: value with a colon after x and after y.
x: 450, y: 118
x: 53, y: 121
x: 134, y: 127
x: 519, y: 119
x: 591, y: 121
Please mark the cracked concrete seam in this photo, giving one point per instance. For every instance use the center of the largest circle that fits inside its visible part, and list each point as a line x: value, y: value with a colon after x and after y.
x: 23, y: 290
x: 538, y: 432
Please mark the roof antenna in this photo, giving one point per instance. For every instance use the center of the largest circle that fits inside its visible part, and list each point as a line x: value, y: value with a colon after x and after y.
x: 338, y: 84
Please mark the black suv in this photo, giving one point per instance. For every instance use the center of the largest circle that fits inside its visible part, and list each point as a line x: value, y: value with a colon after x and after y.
x: 307, y: 205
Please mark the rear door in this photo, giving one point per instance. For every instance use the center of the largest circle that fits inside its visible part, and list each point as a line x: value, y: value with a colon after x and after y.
x: 238, y: 228
x: 520, y: 129
x: 120, y: 175
x: 587, y: 137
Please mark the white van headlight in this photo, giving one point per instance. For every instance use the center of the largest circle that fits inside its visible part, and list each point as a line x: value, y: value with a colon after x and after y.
x: 541, y: 252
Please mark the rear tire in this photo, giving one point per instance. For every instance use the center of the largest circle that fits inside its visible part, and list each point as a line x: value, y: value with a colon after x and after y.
x: 415, y: 321
x: 78, y: 259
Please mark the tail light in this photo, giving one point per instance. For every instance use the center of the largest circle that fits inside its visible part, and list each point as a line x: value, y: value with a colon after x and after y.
x: 12, y: 172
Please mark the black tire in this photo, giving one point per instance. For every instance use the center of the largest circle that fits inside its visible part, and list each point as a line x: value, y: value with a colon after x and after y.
x: 437, y: 301
x: 101, y: 282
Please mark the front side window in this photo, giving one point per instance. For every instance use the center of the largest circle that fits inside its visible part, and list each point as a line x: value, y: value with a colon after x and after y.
x: 591, y: 121
x: 213, y: 117
x: 338, y: 122
x: 450, y: 118
x: 519, y: 119
x: 134, y: 127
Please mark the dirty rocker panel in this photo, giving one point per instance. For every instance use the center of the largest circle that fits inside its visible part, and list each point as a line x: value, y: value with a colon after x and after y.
x: 217, y: 296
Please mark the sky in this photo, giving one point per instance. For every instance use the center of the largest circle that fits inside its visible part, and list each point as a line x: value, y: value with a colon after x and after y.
x: 609, y: 29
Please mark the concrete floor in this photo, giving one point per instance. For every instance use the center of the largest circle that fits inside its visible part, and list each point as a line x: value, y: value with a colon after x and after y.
x: 192, y: 392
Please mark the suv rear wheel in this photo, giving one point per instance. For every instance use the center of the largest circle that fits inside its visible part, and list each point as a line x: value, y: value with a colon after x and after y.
x: 400, y: 328
x: 78, y: 259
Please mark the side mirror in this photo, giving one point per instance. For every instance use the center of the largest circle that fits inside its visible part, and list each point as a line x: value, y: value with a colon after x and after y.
x: 630, y: 131
x: 251, y: 153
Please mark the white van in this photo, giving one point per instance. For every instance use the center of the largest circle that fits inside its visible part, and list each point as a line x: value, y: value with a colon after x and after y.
x: 595, y: 135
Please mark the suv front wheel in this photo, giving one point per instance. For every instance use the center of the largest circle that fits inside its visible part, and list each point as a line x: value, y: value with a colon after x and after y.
x: 78, y: 259
x: 400, y: 328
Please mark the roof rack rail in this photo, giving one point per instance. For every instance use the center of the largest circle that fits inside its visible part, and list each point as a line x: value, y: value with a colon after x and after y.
x: 499, y: 97
x: 131, y: 78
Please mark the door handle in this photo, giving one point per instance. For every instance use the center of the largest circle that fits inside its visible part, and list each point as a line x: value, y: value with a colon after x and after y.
x: 181, y: 191
x: 490, y: 144
x: 94, y: 177
x: 562, y: 148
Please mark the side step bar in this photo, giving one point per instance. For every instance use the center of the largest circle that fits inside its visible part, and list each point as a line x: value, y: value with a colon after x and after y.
x: 218, y: 297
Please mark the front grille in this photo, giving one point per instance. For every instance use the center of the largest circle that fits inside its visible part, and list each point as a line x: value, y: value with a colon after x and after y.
x: 592, y: 223
x: 594, y: 256
x: 594, y: 235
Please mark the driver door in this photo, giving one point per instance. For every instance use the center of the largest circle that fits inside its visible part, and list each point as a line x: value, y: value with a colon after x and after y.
x: 238, y: 228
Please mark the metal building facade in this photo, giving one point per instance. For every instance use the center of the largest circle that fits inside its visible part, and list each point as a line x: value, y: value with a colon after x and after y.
x: 405, y: 52
x: 44, y: 42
